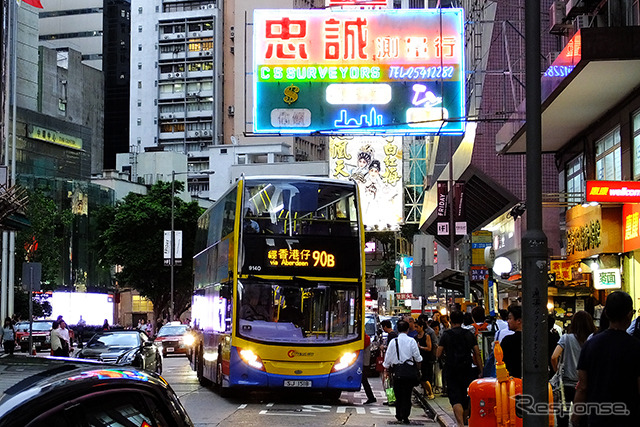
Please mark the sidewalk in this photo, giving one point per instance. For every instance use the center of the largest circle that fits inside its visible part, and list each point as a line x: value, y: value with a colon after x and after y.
x: 441, y: 407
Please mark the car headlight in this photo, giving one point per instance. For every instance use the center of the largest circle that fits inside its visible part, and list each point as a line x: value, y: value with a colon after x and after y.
x: 345, y: 361
x: 188, y: 340
x: 127, y: 358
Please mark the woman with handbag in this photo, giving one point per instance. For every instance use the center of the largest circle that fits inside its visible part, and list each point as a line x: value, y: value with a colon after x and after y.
x: 403, y: 360
x: 564, y: 361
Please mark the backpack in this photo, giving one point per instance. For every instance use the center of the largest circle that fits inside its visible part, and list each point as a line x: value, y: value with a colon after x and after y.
x: 460, y: 355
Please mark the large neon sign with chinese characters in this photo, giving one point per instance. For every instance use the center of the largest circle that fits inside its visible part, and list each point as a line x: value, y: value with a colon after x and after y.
x: 359, y: 72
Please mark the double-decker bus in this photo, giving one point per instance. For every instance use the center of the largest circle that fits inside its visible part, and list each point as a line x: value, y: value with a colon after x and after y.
x: 279, y: 286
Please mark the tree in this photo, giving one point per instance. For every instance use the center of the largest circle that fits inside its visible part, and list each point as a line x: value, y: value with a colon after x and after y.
x: 131, y: 236
x: 41, y: 308
x: 48, y: 224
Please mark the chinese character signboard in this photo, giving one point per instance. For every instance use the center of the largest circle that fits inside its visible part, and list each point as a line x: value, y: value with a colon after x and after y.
x: 613, y: 191
x: 375, y: 164
x: 631, y: 226
x: 359, y: 71
x: 607, y: 278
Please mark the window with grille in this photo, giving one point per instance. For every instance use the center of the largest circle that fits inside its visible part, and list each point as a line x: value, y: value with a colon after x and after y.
x: 140, y: 304
x: 636, y: 145
x: 608, y: 162
x: 574, y: 174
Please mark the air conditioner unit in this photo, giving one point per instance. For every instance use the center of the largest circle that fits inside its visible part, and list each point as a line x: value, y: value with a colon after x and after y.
x: 180, y: 36
x: 211, y: 6
x: 170, y: 116
x: 162, y: 117
x: 195, y: 34
x: 178, y: 74
x: 196, y: 133
x: 208, y: 53
x: 205, y: 133
x: 203, y: 144
x: 170, y: 75
x: 165, y: 37
x: 582, y: 21
x: 557, y: 17
x: 200, y: 53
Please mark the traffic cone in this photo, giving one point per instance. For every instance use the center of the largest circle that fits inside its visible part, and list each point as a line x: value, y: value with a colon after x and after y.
x: 33, y: 350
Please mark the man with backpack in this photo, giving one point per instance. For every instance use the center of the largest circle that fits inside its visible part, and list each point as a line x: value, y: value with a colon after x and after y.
x: 462, y: 352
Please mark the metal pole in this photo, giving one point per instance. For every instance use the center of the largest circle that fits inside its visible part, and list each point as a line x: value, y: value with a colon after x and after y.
x: 534, y: 242
x: 3, y: 275
x: 30, y: 309
x: 173, y: 179
x: 12, y: 265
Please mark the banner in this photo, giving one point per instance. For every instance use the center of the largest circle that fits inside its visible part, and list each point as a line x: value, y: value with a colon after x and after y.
x: 375, y: 164
x: 458, y: 208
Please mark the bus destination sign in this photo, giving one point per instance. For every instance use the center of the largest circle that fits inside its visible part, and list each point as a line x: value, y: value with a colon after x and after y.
x: 312, y: 256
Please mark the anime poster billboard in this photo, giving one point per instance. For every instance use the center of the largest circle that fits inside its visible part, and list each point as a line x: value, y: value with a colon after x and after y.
x: 345, y: 72
x: 375, y: 164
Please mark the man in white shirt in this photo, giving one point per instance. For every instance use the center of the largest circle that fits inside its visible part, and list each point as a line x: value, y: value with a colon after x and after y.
x: 402, y: 349
x: 64, y: 335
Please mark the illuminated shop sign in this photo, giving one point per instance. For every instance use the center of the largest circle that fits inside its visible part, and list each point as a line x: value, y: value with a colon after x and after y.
x: 593, y: 230
x: 607, y: 278
x: 54, y: 137
x: 613, y: 191
x: 366, y: 4
x: 631, y: 226
x: 359, y: 71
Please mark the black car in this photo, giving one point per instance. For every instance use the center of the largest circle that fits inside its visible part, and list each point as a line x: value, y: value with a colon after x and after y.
x: 52, y: 392
x: 132, y: 348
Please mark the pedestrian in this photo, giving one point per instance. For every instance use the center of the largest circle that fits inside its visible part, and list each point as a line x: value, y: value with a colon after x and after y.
x: 444, y: 321
x: 402, y: 349
x: 479, y: 324
x: 425, y: 346
x: 438, y: 386
x: 608, y: 370
x: 56, y: 340
x: 387, y: 380
x: 80, y: 330
x: 568, y: 350
x: 412, y: 326
x: 461, y: 350
x: 467, y: 322
x: 501, y: 321
x: 8, y: 336
x: 149, y: 328
x: 553, y: 336
x: 65, y: 339
x: 367, y: 360
x: 512, y: 344
x: 105, y: 325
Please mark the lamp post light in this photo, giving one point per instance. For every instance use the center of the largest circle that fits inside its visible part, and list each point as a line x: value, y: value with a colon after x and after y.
x: 173, y: 231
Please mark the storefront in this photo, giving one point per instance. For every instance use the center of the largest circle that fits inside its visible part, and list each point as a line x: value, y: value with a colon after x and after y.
x: 594, y: 247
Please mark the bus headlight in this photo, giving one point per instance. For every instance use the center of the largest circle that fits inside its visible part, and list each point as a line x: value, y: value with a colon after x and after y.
x: 345, y: 361
x: 251, y: 359
x: 188, y: 340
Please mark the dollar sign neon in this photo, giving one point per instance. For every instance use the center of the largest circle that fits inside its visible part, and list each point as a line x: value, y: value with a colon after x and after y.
x: 290, y: 94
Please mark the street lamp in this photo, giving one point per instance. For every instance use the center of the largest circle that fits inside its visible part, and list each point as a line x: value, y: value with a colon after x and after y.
x: 172, y: 240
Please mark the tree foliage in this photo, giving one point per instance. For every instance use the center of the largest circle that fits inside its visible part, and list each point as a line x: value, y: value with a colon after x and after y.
x: 48, y: 224
x: 131, y: 236
x: 41, y: 308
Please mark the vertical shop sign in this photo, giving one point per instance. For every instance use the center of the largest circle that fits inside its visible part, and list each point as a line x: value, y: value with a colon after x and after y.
x: 459, y: 211
x: 442, y: 210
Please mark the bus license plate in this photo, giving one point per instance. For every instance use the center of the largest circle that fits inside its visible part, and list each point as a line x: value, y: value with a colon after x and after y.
x: 297, y: 383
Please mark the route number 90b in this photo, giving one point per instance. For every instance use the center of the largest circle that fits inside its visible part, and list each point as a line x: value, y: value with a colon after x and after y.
x: 323, y: 259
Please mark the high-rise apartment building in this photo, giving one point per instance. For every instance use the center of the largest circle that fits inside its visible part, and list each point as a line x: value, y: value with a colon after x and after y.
x: 176, y: 77
x: 99, y: 29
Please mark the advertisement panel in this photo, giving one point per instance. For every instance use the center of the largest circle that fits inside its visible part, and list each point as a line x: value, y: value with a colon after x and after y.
x: 375, y: 164
x: 631, y: 226
x: 613, y: 191
x: 385, y: 71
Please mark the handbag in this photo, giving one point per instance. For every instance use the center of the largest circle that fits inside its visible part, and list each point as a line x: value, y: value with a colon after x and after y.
x: 406, y: 371
x: 379, y: 363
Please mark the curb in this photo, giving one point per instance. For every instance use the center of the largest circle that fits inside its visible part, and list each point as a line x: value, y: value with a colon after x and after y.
x: 441, y: 416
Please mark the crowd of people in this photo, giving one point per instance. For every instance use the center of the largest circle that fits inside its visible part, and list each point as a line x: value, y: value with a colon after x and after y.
x: 583, y: 360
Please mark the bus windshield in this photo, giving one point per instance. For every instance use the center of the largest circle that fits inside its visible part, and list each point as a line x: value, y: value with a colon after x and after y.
x: 304, y: 312
x: 291, y: 208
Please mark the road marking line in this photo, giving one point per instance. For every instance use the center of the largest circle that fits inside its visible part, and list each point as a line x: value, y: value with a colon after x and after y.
x: 244, y: 405
x: 266, y: 412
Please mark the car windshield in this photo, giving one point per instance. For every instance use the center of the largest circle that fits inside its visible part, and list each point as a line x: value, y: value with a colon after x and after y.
x: 166, y: 331
x: 114, y: 340
x: 37, y: 326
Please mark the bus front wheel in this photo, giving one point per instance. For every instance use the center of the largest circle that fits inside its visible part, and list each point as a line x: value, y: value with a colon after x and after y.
x: 331, y: 395
x: 222, y: 391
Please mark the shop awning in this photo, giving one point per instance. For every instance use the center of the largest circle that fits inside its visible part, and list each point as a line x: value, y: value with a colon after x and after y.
x: 454, y: 281
x: 485, y: 200
x: 606, y: 72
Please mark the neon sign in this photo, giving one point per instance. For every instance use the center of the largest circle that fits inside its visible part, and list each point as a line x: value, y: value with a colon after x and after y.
x: 613, y: 191
x: 385, y: 71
